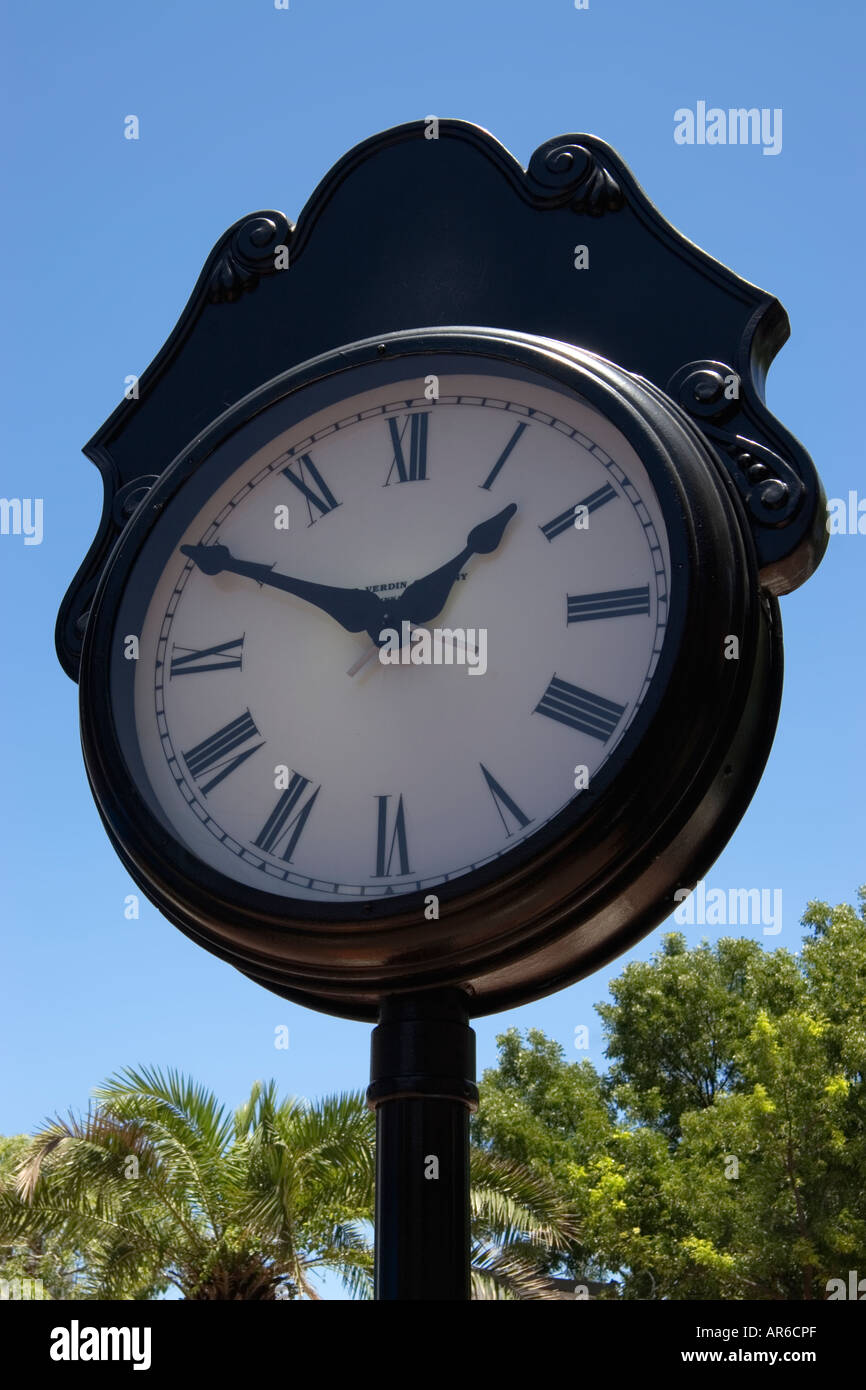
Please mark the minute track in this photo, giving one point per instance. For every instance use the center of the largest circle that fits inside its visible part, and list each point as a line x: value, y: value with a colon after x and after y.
x: 225, y: 550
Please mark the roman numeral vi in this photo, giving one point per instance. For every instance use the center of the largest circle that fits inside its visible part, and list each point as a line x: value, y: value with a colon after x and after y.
x: 398, y: 840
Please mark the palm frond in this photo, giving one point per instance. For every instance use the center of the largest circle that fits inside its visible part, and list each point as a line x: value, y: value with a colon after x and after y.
x: 89, y: 1150
x: 500, y: 1274
x: 515, y: 1203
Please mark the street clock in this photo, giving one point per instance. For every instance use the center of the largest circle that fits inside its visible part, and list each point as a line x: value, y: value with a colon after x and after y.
x: 431, y: 638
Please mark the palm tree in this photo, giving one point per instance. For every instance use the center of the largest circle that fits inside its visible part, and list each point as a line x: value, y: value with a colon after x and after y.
x: 182, y: 1194
x: 163, y: 1188
x: 521, y: 1224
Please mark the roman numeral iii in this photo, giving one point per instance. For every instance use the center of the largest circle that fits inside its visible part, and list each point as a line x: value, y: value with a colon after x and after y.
x: 219, y: 752
x: 580, y: 709
x: 615, y: 603
x: 288, y: 818
x: 413, y: 469
x: 186, y: 661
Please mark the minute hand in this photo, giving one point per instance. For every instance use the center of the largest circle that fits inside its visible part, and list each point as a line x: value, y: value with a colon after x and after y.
x: 425, y: 598
x: 357, y: 610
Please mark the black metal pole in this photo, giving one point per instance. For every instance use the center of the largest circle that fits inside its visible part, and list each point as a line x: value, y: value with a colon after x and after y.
x: 422, y: 1087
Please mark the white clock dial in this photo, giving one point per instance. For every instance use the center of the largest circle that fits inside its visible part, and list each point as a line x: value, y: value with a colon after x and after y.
x: 278, y: 767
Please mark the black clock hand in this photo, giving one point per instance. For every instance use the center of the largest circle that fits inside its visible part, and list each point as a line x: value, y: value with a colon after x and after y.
x: 425, y: 598
x: 357, y: 610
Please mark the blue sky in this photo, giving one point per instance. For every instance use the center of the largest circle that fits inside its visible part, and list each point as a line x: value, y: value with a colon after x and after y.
x: 243, y: 107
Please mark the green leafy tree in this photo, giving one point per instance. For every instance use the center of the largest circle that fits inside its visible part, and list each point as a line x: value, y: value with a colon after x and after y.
x: 677, y: 1023
x: 546, y: 1114
x: 732, y: 1164
x: 780, y: 1208
x: 539, y: 1109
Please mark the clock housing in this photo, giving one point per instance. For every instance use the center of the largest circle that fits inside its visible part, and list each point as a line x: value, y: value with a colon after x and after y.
x: 598, y: 873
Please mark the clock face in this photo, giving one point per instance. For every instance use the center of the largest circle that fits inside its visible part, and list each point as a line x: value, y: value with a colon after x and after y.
x: 505, y: 538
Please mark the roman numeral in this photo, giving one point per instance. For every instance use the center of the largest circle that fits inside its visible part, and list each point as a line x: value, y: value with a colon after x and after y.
x: 218, y: 753
x: 287, y: 816
x: 398, y: 840
x: 565, y: 520
x: 615, y: 603
x: 580, y: 709
x: 416, y: 469
x: 316, y: 493
x: 495, y: 470
x: 226, y: 656
x: 502, y: 799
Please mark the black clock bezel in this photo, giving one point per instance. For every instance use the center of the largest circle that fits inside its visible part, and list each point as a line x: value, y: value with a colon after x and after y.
x: 530, y: 904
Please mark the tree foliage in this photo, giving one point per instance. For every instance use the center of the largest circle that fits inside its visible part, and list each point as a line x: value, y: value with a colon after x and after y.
x: 720, y: 1156
x: 34, y: 1260
x: 157, y: 1186
x: 165, y: 1188
x: 723, y: 1154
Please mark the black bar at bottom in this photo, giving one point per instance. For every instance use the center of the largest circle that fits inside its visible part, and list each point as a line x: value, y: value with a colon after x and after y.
x: 422, y: 1087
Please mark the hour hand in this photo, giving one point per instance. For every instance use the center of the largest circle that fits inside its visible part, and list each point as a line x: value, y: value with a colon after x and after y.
x: 425, y: 598
x: 357, y: 610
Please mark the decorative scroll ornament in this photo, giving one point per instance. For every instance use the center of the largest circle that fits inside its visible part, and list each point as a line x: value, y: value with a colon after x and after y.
x: 570, y: 175
x: 770, y: 487
x: 379, y: 195
x: 250, y: 253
